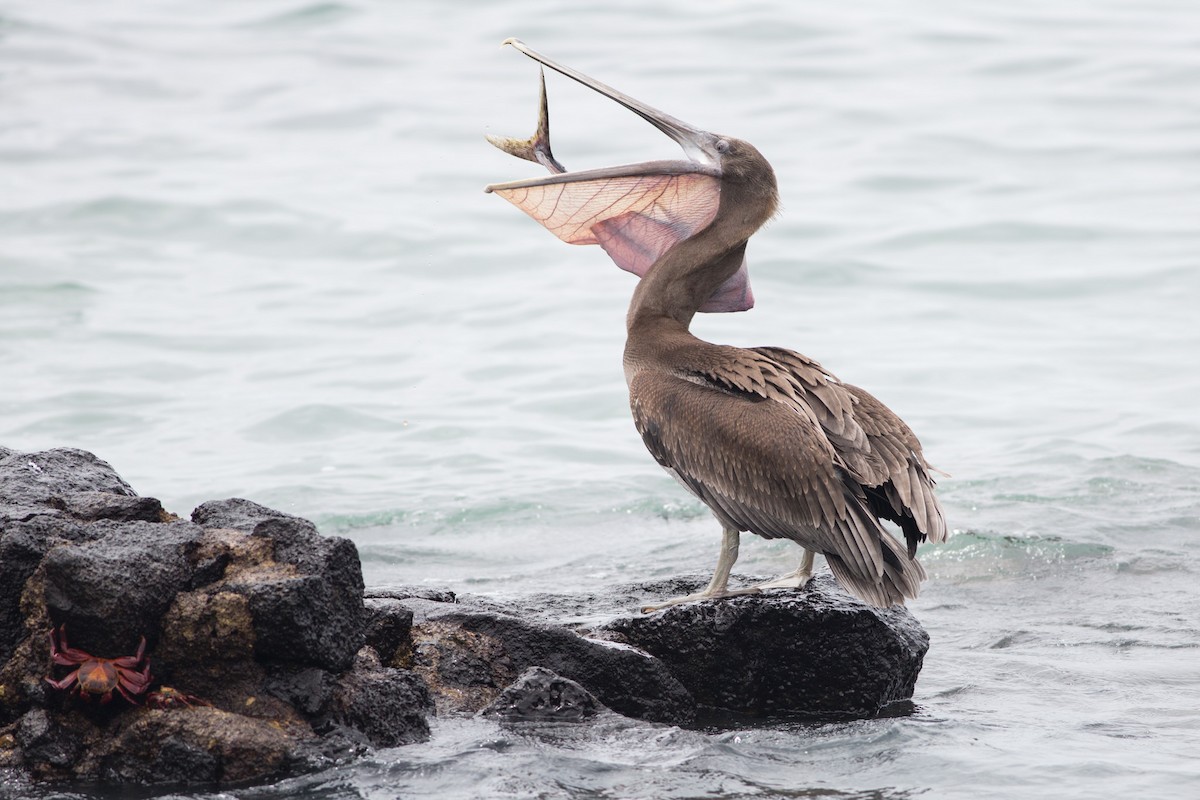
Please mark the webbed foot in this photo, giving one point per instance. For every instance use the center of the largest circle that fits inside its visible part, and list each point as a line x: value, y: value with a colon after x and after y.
x: 796, y: 579
x: 698, y: 596
x: 792, y: 580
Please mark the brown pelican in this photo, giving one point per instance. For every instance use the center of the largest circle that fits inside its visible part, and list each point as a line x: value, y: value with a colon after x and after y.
x: 767, y: 438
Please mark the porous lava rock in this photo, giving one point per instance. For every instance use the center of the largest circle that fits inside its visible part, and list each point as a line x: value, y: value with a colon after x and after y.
x: 386, y: 704
x: 389, y: 630
x: 817, y: 653
x: 255, y: 619
x: 304, y: 592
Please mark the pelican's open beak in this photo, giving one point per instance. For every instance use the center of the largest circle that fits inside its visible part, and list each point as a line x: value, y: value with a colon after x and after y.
x: 700, y: 146
x: 636, y: 212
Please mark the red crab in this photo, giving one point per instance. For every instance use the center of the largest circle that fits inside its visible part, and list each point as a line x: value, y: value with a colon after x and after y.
x: 99, y: 677
x: 167, y: 697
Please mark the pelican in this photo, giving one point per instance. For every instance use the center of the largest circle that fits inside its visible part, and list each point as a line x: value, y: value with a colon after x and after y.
x: 767, y: 438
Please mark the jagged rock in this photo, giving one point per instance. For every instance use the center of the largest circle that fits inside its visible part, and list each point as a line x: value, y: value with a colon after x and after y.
x: 91, y: 506
x: 308, y: 605
x: 198, y: 745
x: 540, y: 695
x: 43, y: 499
x: 22, y: 547
x: 34, y: 483
x: 309, y: 689
x: 815, y: 653
x: 388, y: 705
x: 467, y: 655
x: 235, y: 513
x: 244, y: 608
x: 43, y: 739
x: 413, y: 592
x: 114, y: 589
x: 389, y: 631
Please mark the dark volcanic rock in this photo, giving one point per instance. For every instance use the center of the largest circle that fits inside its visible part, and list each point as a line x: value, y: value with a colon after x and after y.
x: 539, y: 695
x: 309, y: 609
x: 113, y: 589
x: 817, y: 653
x: 388, y: 705
x: 389, y: 631
x: 309, y: 689
x: 91, y: 506
x: 43, y: 739
x: 235, y: 513
x: 468, y: 655
x: 252, y: 621
x: 413, y: 593
x: 199, y: 745
x: 43, y: 499
x: 33, y: 483
x: 268, y: 660
x: 22, y: 547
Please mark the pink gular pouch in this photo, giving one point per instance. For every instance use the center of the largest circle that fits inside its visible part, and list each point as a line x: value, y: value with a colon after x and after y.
x: 636, y: 213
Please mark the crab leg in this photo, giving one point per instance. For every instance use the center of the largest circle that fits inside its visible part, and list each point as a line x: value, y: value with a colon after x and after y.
x: 65, y: 655
x: 65, y: 683
x: 133, y: 660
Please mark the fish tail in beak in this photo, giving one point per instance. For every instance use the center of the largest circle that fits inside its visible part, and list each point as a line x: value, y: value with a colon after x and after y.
x: 699, y: 145
x: 537, y: 147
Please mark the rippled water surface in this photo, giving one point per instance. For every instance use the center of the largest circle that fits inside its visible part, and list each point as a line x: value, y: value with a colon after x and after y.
x: 244, y: 251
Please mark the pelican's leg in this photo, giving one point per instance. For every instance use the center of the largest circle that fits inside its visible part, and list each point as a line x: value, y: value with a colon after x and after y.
x: 718, y: 586
x: 793, y: 580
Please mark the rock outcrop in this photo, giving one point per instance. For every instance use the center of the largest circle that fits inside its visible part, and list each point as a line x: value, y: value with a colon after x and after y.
x: 468, y: 653
x: 266, y: 658
x: 254, y: 620
x: 818, y: 654
x: 539, y: 695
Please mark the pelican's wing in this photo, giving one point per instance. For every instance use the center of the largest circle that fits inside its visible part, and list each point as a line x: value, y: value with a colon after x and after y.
x: 904, y: 481
x: 876, y: 447
x: 768, y: 467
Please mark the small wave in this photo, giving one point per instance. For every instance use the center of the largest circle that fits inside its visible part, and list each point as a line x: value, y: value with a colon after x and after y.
x: 50, y: 293
x: 977, y: 555
x: 311, y: 15
x: 1000, y: 232
x: 248, y: 228
x: 316, y: 422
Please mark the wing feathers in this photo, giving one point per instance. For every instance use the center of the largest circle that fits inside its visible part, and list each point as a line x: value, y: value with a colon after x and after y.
x: 776, y: 445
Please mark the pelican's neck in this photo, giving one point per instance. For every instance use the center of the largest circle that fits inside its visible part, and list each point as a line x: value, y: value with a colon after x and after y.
x: 688, y: 274
x: 683, y: 279
x: 668, y: 297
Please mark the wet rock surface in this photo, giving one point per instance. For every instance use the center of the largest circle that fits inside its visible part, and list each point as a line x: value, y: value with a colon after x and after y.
x: 468, y: 654
x: 279, y: 664
x: 818, y: 653
x: 539, y: 695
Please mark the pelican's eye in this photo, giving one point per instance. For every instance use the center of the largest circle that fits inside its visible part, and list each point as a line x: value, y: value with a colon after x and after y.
x: 722, y: 146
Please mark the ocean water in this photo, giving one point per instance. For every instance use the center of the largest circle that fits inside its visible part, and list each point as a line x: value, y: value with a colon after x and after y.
x: 244, y: 251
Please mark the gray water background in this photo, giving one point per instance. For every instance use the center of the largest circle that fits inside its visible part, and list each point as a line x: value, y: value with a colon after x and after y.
x: 244, y: 251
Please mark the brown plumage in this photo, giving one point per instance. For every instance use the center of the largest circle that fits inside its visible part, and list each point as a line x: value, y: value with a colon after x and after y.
x: 769, y: 440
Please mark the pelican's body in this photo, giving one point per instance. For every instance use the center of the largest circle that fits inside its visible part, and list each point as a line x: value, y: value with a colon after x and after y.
x: 765, y: 437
